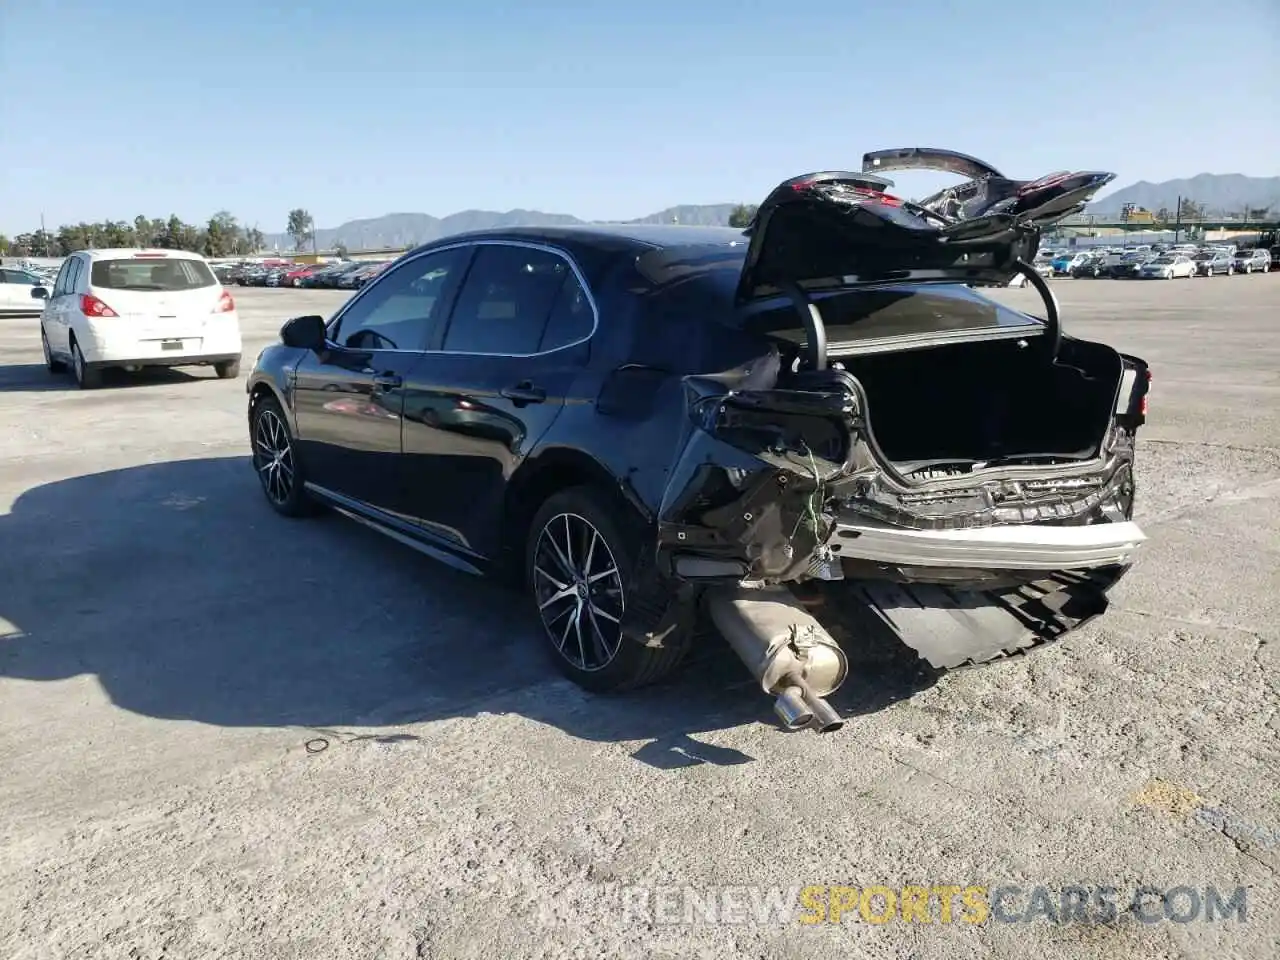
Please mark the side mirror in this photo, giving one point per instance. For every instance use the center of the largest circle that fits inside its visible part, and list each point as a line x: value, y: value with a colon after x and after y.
x: 39, y: 293
x: 306, y: 332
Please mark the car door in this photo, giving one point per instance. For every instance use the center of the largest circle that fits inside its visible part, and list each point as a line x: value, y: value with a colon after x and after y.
x: 348, y: 398
x: 54, y: 316
x: 514, y: 342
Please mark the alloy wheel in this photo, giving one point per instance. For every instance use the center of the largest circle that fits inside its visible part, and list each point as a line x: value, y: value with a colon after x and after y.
x: 579, y: 591
x: 273, y: 456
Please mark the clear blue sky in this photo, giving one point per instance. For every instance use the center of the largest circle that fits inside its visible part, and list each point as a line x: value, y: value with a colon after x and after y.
x: 600, y: 108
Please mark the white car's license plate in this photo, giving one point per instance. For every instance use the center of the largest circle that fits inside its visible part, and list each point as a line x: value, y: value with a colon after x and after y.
x: 170, y: 344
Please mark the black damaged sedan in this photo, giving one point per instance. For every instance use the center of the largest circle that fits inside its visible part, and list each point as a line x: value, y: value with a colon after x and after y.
x: 649, y: 426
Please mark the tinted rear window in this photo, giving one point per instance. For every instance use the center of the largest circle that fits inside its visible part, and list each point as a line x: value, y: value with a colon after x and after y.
x: 151, y: 274
x: 869, y: 315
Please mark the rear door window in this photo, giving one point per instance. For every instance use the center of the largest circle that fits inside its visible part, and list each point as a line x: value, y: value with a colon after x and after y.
x: 572, y: 316
x: 73, y: 274
x: 506, y: 305
x: 155, y: 274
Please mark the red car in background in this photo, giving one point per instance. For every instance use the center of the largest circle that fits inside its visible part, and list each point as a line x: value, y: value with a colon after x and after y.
x: 294, y: 277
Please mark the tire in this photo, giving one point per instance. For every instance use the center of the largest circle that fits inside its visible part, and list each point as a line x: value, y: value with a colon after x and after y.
x: 227, y: 369
x: 275, y: 463
x: 586, y: 641
x: 52, y: 365
x: 86, y: 377
x: 1231, y: 270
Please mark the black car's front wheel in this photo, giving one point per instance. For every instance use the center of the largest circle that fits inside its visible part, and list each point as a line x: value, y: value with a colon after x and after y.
x: 275, y: 460
x: 579, y: 564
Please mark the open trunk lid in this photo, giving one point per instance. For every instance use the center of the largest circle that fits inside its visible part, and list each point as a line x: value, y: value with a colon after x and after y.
x: 839, y: 229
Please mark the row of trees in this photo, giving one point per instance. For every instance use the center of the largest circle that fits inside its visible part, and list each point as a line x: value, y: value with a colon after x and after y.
x: 221, y: 236
x: 742, y: 215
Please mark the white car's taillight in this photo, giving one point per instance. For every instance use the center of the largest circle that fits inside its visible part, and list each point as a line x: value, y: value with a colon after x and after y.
x: 91, y: 306
x: 226, y: 303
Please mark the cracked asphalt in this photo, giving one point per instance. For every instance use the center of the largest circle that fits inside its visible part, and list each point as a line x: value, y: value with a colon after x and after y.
x: 226, y: 734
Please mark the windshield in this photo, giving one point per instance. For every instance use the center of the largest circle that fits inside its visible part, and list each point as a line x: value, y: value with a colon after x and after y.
x: 151, y: 274
x: 1163, y: 260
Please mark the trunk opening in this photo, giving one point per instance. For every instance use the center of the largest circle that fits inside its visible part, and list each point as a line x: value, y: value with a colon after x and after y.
x: 955, y: 381
x: 963, y: 406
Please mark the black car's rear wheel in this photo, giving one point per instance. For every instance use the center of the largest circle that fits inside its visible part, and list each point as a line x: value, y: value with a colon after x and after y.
x: 579, y: 565
x: 275, y: 460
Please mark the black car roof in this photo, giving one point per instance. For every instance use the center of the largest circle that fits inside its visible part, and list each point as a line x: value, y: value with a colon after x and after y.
x: 604, y: 237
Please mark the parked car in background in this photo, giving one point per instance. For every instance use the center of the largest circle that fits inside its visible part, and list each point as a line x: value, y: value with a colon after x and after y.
x: 1252, y: 261
x: 1210, y: 263
x: 135, y: 308
x: 1092, y: 265
x: 637, y: 423
x: 323, y: 276
x: 334, y: 280
x: 1126, y: 267
x: 1043, y: 265
x: 15, y: 292
x: 1167, y: 267
x: 298, y: 275
x: 358, y: 278
x: 1065, y: 263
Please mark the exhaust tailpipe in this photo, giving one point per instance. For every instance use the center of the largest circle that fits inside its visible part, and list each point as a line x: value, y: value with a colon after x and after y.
x: 788, y: 651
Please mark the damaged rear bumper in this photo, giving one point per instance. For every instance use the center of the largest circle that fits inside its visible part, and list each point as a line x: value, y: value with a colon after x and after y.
x: 1029, y: 547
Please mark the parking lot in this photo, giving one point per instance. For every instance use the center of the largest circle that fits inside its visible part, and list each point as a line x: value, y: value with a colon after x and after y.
x: 228, y: 734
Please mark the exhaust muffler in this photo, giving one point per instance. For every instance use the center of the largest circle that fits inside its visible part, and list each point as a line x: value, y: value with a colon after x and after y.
x: 788, y: 651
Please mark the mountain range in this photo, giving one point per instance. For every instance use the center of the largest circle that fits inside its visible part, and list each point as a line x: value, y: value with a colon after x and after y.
x: 1219, y: 193
x: 398, y: 230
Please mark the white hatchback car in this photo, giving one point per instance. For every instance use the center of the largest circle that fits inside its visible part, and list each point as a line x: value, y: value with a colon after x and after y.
x: 137, y: 308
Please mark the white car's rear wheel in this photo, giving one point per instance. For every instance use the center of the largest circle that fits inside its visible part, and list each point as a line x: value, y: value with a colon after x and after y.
x: 87, y: 378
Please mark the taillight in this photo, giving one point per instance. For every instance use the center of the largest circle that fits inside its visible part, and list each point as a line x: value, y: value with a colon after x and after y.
x: 1142, y: 407
x: 225, y: 303
x: 91, y: 306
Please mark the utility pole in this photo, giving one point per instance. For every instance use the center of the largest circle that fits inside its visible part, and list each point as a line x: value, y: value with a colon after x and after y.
x: 1177, y: 221
x: 44, y: 234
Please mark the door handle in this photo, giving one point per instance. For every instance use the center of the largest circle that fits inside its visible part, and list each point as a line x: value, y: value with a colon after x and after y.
x: 388, y: 381
x: 524, y: 392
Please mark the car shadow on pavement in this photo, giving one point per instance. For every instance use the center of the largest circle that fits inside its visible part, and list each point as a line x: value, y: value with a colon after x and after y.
x: 189, y: 599
x: 29, y: 377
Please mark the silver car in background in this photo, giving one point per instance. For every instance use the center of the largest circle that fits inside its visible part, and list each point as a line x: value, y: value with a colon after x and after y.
x: 1252, y: 261
x: 1167, y: 267
x: 1211, y: 262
